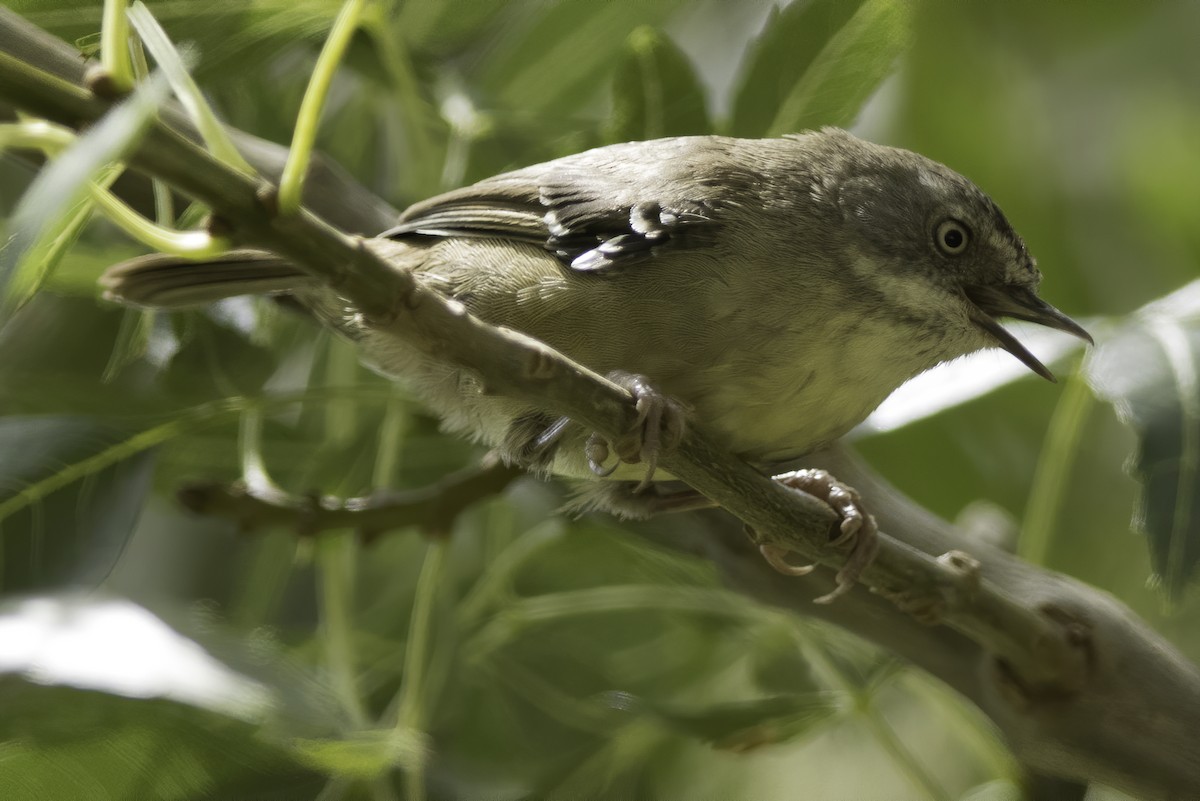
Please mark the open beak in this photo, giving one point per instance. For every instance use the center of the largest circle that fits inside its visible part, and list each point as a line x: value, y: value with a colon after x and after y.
x: 988, y: 303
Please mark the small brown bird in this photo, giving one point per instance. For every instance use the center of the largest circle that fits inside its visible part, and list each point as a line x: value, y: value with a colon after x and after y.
x: 779, y: 289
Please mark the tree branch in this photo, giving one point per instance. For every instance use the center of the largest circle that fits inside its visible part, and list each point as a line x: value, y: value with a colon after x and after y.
x: 432, y: 508
x: 1131, y: 724
x: 1066, y: 671
x: 520, y: 367
x: 329, y: 190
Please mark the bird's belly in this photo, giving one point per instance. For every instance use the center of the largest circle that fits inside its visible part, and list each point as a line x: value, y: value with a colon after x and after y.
x: 770, y: 418
x: 810, y: 387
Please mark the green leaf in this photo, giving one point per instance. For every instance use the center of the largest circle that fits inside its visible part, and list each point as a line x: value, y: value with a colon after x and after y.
x: 550, y: 63
x: 779, y: 665
x: 44, y: 212
x: 848, y: 70
x: 365, y: 754
x: 439, y: 27
x: 791, y: 41
x: 44, y: 258
x: 996, y: 790
x: 104, y: 699
x: 54, y: 641
x: 742, y: 725
x: 959, y: 382
x: 67, y: 509
x: 655, y: 91
x: 1150, y: 372
x: 176, y: 65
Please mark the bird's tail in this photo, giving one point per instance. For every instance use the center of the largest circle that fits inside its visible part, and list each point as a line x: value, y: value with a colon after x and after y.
x: 170, y: 282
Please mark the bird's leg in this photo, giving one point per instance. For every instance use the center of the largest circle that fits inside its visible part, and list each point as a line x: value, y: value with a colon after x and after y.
x: 623, y: 499
x: 659, y: 427
x: 857, y: 532
x: 532, y: 439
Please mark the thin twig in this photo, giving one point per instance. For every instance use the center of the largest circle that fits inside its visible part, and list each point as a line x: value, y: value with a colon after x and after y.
x: 432, y: 508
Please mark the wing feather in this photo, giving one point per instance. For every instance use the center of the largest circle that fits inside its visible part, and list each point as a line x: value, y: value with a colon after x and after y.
x: 581, y: 208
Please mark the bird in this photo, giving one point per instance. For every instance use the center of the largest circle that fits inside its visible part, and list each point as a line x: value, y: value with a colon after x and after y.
x: 771, y: 291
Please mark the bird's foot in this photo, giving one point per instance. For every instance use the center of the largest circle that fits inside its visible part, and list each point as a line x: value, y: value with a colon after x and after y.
x: 856, y: 532
x: 532, y: 441
x: 623, y: 499
x: 659, y: 427
x: 962, y: 576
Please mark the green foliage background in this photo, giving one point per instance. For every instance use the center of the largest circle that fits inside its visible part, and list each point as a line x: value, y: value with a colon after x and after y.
x: 531, y: 656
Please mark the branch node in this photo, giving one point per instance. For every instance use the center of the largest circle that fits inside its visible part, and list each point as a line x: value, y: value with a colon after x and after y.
x: 267, y: 195
x: 308, y: 515
x: 1077, y: 632
x: 963, y: 570
x: 99, y: 81
x: 385, y: 291
x: 218, y: 227
x: 539, y: 365
x: 197, y: 496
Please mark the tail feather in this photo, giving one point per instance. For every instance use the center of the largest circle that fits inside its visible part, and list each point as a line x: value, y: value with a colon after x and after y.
x: 161, y: 281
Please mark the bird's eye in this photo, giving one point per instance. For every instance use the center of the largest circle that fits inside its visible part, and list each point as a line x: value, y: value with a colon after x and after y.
x: 952, y: 237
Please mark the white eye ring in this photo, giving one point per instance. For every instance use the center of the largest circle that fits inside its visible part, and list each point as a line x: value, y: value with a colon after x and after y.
x: 952, y: 237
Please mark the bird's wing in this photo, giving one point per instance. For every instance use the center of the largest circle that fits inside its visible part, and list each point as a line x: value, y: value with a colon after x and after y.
x: 595, y: 212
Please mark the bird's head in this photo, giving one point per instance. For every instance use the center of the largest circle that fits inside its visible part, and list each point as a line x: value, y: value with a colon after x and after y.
x: 939, y: 250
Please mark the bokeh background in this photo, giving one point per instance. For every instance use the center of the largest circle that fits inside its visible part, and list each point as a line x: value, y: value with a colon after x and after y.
x: 537, y: 656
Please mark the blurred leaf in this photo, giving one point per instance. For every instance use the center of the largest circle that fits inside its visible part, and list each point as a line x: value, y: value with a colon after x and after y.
x: 103, y: 699
x: 238, y: 38
x: 851, y: 664
x: 43, y: 214
x: 998, y: 790
x: 44, y: 258
x: 1150, y: 372
x: 438, y: 26
x: 364, y: 755
x: 742, y: 725
x: 117, y: 647
x: 176, y: 65
x: 71, y: 491
x: 218, y: 355
x: 547, y: 63
x: 777, y: 661
x: 968, y: 378
x: 789, y: 44
x: 848, y: 70
x: 655, y: 91
x: 54, y: 352
x: 68, y: 743
x: 133, y: 339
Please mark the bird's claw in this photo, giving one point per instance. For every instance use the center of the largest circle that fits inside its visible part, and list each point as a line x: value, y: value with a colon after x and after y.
x: 776, y: 558
x: 857, y: 531
x: 596, y: 451
x: 658, y: 429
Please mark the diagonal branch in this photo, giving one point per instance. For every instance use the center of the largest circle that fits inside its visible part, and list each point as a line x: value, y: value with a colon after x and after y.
x: 520, y: 367
x: 329, y: 189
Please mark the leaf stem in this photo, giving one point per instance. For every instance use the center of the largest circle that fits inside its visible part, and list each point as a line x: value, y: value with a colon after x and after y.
x: 1053, y: 469
x: 410, y: 713
x: 188, y: 244
x: 336, y: 554
x: 114, y: 45
x: 164, y: 203
x: 183, y: 420
x: 52, y: 139
x: 291, y: 184
x: 867, y: 710
x: 901, y: 756
x: 190, y: 97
